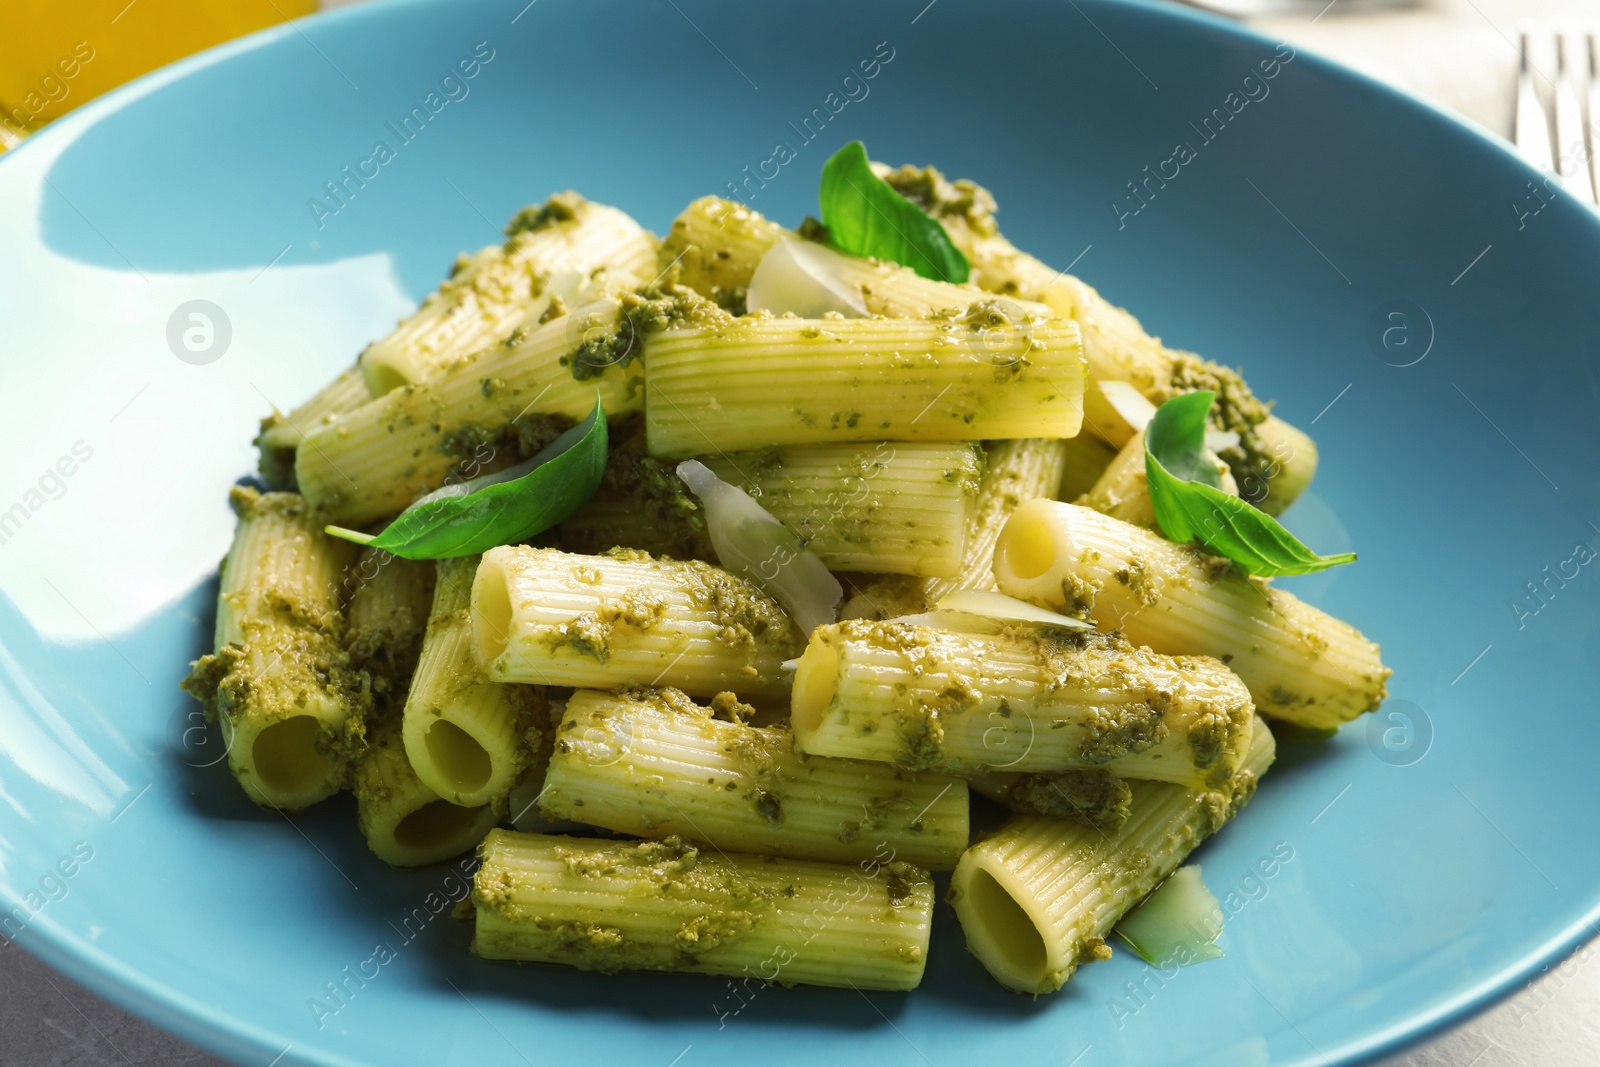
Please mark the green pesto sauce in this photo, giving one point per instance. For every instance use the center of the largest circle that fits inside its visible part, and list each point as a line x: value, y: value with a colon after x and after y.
x: 747, y: 619
x: 471, y: 442
x: 1072, y: 662
x: 1078, y: 594
x: 988, y: 315
x: 1119, y: 730
x: 901, y: 881
x: 732, y: 299
x: 643, y: 503
x: 729, y: 708
x: 1096, y: 797
x: 811, y: 229
x: 556, y: 308
x: 876, y: 813
x: 1236, y: 409
x: 307, y: 664
x: 560, y: 208
x: 592, y: 633
x: 388, y: 652
x: 276, y: 464
x: 640, y: 314
x: 961, y: 200
x: 1141, y: 580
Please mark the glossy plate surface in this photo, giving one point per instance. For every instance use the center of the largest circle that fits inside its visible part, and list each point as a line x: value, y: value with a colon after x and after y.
x: 1436, y: 853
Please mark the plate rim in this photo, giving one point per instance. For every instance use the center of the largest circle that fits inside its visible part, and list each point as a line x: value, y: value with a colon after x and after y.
x: 227, y: 1034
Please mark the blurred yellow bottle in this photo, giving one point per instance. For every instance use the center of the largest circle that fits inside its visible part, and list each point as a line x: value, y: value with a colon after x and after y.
x: 56, y: 54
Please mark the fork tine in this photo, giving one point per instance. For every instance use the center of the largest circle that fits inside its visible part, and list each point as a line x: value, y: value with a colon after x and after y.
x: 1571, y: 147
x: 1594, y: 115
x: 1532, y: 132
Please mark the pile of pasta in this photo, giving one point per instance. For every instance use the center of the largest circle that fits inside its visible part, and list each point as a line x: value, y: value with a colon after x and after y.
x: 691, y: 783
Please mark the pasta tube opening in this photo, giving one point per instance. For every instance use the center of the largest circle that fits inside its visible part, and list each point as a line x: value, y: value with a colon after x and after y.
x: 406, y: 824
x: 458, y: 756
x: 440, y: 827
x: 287, y: 760
x: 383, y: 378
x: 463, y: 733
x: 1001, y: 933
x: 815, y: 679
x: 491, y: 615
x: 1026, y: 549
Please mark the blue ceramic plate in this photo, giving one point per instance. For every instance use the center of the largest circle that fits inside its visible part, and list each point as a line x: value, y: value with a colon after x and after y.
x: 1385, y: 272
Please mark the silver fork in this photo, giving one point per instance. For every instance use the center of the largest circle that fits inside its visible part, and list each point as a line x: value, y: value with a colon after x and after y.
x: 1559, y: 142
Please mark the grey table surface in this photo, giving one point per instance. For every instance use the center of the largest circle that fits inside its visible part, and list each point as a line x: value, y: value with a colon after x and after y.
x: 1458, y: 54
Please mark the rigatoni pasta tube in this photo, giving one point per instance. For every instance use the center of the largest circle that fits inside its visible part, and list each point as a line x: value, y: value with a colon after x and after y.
x: 279, y: 682
x: 1302, y: 665
x: 1086, y: 459
x: 879, y: 286
x: 720, y: 245
x: 281, y: 434
x: 405, y: 823
x: 389, y: 600
x: 1121, y: 490
x: 1039, y: 897
x: 1013, y: 471
x: 779, y: 381
x: 715, y: 245
x: 467, y: 735
x: 1025, y: 699
x: 669, y: 906
x: 501, y: 404
x: 624, y: 618
x: 653, y: 763
x: 885, y: 507
x: 890, y: 507
x: 488, y: 292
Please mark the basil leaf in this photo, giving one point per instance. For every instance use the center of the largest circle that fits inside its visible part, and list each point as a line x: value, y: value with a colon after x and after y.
x: 1177, y: 438
x: 1190, y: 506
x: 501, y: 508
x: 866, y: 217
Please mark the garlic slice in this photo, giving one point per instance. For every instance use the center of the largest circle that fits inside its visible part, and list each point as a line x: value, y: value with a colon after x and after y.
x: 804, y: 278
x: 751, y: 543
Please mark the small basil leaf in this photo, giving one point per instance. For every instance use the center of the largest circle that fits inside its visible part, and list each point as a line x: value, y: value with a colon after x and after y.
x: 866, y: 217
x: 1177, y: 440
x: 1188, y: 509
x: 502, y: 508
